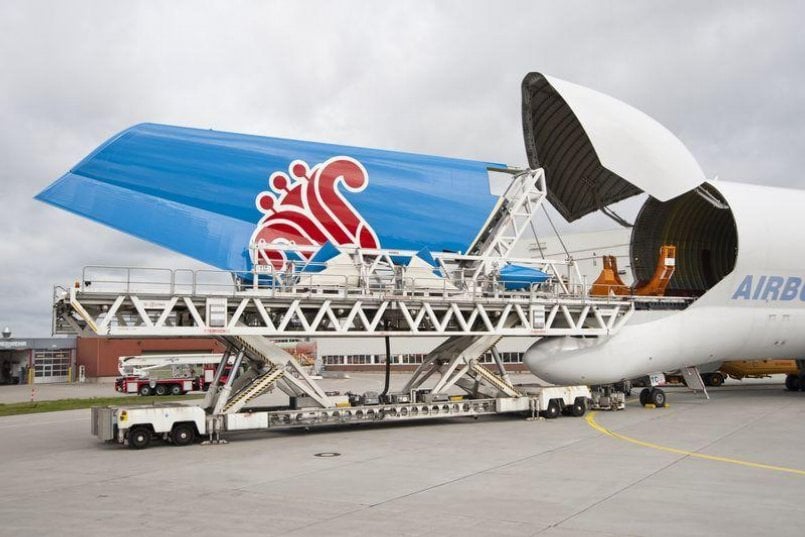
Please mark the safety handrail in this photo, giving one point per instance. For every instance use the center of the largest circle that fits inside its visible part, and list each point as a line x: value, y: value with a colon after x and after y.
x: 309, y: 282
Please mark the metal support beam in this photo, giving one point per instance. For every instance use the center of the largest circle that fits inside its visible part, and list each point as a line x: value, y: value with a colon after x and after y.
x: 223, y: 395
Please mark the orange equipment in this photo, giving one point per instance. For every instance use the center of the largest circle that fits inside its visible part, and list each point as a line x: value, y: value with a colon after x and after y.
x: 609, y: 282
x: 739, y: 369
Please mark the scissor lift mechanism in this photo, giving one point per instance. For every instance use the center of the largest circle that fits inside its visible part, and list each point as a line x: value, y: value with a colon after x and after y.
x: 466, y: 305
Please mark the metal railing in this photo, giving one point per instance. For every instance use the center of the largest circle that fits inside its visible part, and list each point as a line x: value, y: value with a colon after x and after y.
x: 351, y: 282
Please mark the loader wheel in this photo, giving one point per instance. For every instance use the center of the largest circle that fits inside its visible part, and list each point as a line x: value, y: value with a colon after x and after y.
x: 792, y: 383
x: 161, y: 389
x: 145, y: 389
x: 552, y: 411
x: 183, y: 434
x: 645, y: 393
x: 176, y: 390
x: 717, y: 379
x: 579, y: 407
x: 139, y: 437
x: 657, y: 396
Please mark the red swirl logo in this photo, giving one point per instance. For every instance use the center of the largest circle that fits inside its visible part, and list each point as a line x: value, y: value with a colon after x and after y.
x: 305, y: 208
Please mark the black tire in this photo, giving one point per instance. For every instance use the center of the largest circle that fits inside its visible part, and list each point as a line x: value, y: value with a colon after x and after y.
x: 707, y: 379
x: 145, y: 390
x: 792, y: 383
x: 552, y: 411
x: 176, y: 390
x: 579, y: 407
x: 717, y: 379
x: 139, y: 437
x: 657, y: 397
x: 161, y: 389
x: 183, y: 434
x: 645, y: 393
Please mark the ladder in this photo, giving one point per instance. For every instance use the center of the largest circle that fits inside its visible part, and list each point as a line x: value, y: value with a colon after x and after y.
x: 509, y: 219
x: 269, y: 365
x: 260, y: 385
x: 496, y: 381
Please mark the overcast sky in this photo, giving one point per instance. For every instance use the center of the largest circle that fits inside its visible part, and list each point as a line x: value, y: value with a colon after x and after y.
x: 431, y: 77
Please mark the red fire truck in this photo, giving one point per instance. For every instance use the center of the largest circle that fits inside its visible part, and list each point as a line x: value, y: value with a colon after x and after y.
x: 167, y: 374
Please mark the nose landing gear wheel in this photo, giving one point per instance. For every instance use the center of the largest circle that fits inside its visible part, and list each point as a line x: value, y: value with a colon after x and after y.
x: 654, y: 396
x: 657, y: 397
x: 644, y: 395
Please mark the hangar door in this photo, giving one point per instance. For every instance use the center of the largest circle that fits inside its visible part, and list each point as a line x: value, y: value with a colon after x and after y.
x: 52, y: 365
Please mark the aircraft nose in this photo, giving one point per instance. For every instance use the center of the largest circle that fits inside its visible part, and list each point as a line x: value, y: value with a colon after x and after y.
x: 554, y: 360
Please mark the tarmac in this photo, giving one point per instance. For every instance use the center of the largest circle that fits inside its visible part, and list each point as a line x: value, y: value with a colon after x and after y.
x: 728, y: 466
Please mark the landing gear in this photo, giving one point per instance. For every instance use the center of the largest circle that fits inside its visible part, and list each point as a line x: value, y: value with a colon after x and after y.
x: 657, y: 397
x: 793, y: 383
x: 654, y: 396
x: 713, y: 379
x: 644, y: 394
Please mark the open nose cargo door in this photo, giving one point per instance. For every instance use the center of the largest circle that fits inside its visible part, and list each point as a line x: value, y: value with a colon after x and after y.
x: 597, y: 150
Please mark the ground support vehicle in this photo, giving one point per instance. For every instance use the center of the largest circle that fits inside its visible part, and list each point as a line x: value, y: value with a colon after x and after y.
x: 183, y: 424
x: 267, y: 366
x: 166, y: 374
x: 459, y: 298
x: 162, y: 386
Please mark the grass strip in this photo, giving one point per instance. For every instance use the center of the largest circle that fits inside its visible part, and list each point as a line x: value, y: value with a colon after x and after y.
x: 13, y: 409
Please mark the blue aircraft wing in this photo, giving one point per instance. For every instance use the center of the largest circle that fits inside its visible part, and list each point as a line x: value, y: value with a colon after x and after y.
x: 206, y: 194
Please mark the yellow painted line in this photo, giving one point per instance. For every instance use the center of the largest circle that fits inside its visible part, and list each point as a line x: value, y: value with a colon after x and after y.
x: 600, y: 428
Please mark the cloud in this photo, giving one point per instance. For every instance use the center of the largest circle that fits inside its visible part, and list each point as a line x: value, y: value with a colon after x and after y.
x: 431, y: 77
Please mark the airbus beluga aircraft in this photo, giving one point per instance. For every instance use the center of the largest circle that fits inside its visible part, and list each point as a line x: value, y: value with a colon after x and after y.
x: 211, y: 195
x: 738, y: 254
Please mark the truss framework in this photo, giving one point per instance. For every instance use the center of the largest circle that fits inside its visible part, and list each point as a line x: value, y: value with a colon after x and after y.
x: 511, y: 216
x: 131, y: 315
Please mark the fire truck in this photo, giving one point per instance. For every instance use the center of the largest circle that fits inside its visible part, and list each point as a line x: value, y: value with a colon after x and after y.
x: 167, y: 374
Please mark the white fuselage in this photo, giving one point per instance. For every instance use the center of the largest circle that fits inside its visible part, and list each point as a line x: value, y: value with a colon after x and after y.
x: 755, y: 311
